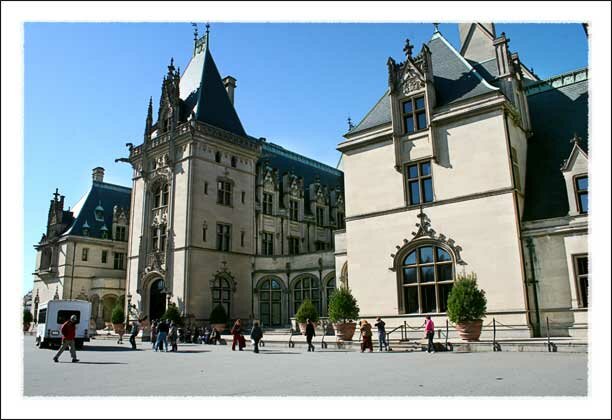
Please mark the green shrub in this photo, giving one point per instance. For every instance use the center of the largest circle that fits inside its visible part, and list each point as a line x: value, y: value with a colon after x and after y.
x: 306, y: 311
x: 118, y: 316
x: 218, y: 315
x: 466, y: 302
x: 173, y: 314
x: 27, y: 317
x: 343, y: 306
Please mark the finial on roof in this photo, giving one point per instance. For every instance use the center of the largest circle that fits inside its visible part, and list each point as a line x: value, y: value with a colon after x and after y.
x: 207, y: 28
x: 56, y: 194
x: 408, y: 48
x: 436, y: 29
x: 350, y: 123
x: 575, y: 139
x: 195, y: 32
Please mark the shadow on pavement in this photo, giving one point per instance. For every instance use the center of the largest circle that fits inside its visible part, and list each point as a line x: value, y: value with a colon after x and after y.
x: 275, y: 352
x: 105, y: 348
x: 96, y: 363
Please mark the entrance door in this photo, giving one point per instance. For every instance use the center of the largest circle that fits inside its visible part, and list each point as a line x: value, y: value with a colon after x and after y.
x: 157, y: 300
x: 270, y: 303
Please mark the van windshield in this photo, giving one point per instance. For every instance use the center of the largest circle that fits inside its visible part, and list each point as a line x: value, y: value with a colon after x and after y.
x: 63, y: 316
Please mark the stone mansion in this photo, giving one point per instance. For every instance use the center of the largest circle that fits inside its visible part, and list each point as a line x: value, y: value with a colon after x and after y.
x: 471, y: 163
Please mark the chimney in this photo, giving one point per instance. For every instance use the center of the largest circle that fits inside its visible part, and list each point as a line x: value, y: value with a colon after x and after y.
x: 98, y: 174
x: 230, y: 85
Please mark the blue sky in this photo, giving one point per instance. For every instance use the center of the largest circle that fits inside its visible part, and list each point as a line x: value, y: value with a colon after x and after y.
x: 87, y: 88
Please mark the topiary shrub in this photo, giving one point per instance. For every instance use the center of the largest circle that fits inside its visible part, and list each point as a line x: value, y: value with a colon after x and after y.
x: 218, y: 315
x: 306, y: 311
x: 118, y: 316
x: 27, y: 317
x: 342, y: 306
x: 173, y: 314
x: 466, y: 302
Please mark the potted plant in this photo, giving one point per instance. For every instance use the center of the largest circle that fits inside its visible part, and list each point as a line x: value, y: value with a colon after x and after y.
x: 343, y: 309
x: 466, y: 307
x: 118, y: 318
x: 173, y: 314
x: 306, y: 311
x: 27, y: 320
x: 218, y: 318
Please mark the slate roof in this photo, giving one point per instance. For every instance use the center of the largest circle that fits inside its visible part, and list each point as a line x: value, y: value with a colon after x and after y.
x: 104, y: 194
x: 202, y: 91
x: 454, y: 80
x: 556, y: 114
x: 308, y: 169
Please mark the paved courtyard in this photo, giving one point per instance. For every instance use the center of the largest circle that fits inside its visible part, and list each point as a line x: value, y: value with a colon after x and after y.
x: 109, y: 369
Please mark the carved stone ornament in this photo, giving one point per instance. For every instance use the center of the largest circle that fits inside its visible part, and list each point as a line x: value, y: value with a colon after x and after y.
x: 321, y: 196
x: 294, y: 187
x: 426, y: 232
x: 225, y: 274
x: 268, y: 180
x: 411, y: 80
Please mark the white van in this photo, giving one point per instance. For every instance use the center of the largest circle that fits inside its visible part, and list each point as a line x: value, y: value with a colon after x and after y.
x: 51, y: 316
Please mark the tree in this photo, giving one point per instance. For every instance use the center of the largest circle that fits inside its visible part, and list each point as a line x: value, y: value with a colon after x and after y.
x: 466, y: 302
x: 306, y: 311
x: 343, y: 306
x: 118, y: 316
x: 173, y: 314
x: 27, y: 317
x: 218, y: 315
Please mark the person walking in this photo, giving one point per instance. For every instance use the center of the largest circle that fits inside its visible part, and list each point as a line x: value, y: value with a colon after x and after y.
x: 133, y: 334
x: 162, y: 336
x: 173, y: 335
x: 154, y: 335
x: 382, y: 334
x: 366, y: 336
x: 68, y: 330
x: 236, y: 332
x: 310, y: 333
x: 256, y: 335
x: 429, y: 334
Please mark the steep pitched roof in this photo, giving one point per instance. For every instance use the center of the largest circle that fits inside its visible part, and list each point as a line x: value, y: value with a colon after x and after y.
x: 100, y: 194
x: 202, y: 91
x: 558, y: 108
x: 454, y: 80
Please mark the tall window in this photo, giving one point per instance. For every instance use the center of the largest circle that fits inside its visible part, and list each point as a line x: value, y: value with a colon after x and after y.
x: 426, y: 279
x: 340, y: 219
x: 307, y: 288
x: 581, y: 273
x: 267, y: 203
x: 414, y: 115
x: 224, y: 193
x: 120, y: 233
x: 234, y: 161
x: 319, y: 215
x: 267, y: 243
x: 164, y: 195
x: 329, y: 289
x: 221, y: 293
x: 104, y: 257
x: 84, y: 254
x: 119, y: 260
x: 160, y: 196
x: 217, y: 157
x: 242, y: 238
x: 162, y: 237
x: 294, y: 245
x: 516, y: 174
x: 582, y: 194
x: 293, y: 210
x: 420, y: 188
x: 204, y: 229
x: 223, y: 237
x: 320, y: 246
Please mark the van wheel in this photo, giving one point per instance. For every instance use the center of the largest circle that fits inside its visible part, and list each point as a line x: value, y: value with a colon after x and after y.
x: 43, y: 344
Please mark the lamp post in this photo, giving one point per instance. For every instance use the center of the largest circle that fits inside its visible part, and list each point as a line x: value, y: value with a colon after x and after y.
x: 127, y: 313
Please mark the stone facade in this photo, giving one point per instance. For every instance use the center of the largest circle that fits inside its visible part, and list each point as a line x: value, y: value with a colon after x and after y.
x: 82, y: 255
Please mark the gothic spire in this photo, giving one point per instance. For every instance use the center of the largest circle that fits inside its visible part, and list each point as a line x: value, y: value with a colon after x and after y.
x: 149, y: 122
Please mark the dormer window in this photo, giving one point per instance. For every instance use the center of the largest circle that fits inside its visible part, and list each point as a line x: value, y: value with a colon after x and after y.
x: 99, y: 212
x: 582, y: 193
x: 414, y: 116
x: 85, y: 228
x: 104, y: 232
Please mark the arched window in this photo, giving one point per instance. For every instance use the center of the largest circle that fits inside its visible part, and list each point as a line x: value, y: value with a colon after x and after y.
x: 221, y: 294
x: 307, y: 288
x: 426, y: 278
x: 270, y: 302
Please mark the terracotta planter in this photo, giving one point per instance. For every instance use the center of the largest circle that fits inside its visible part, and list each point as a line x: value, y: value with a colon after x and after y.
x: 219, y: 327
x: 345, y: 330
x: 469, y: 330
x: 119, y: 328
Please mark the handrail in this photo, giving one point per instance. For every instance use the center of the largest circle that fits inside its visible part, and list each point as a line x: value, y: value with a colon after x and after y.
x: 291, y: 344
x: 325, y: 325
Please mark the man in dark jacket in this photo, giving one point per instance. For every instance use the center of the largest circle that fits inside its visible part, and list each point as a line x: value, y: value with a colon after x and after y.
x: 310, y: 332
x: 133, y: 334
x: 68, y: 333
x: 382, y: 334
x: 256, y: 335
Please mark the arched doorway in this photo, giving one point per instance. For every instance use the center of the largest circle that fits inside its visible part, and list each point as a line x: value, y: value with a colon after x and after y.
x: 270, y: 296
x: 157, y: 300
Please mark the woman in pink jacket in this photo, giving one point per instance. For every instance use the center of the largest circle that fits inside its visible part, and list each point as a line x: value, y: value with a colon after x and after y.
x: 429, y: 334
